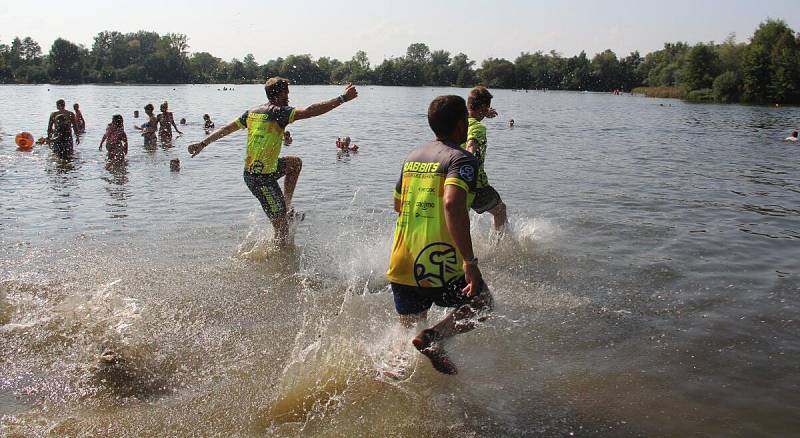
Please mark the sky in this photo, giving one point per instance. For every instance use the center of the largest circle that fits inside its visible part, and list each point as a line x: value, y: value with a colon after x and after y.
x: 481, y: 29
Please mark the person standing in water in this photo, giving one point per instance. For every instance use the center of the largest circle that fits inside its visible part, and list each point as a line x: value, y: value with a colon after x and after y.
x: 79, y: 120
x: 166, y: 121
x: 149, y: 127
x: 432, y: 260
x: 265, y: 126
x: 115, y: 139
x: 60, y: 138
x: 479, y: 103
x: 60, y: 135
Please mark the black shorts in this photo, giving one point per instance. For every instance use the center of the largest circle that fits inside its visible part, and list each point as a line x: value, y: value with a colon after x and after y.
x: 486, y: 198
x: 410, y: 300
x: 266, y: 189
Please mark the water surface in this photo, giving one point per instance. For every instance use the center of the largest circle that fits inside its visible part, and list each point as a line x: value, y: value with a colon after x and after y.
x: 648, y: 286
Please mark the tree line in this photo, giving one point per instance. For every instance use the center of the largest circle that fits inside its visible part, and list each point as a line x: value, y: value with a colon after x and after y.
x: 766, y: 69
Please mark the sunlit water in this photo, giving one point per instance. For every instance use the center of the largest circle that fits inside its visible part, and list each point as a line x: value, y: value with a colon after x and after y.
x: 648, y: 286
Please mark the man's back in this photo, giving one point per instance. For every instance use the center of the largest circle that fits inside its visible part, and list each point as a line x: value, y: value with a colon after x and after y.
x: 421, y: 239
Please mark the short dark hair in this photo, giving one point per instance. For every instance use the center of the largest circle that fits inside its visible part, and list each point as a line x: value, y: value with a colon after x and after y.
x: 60, y: 102
x: 116, y: 120
x: 444, y: 114
x: 149, y: 107
x: 275, y: 85
x: 478, y: 97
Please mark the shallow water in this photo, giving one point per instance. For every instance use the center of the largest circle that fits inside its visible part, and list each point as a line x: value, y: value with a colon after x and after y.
x: 649, y: 284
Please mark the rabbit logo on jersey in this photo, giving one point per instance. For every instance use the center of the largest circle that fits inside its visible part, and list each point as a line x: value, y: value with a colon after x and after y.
x: 436, y: 265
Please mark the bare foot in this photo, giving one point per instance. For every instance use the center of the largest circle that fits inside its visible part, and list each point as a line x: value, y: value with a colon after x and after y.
x: 427, y: 343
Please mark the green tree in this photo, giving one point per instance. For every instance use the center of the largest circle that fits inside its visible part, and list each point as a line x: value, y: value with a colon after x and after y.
x: 251, y: 68
x: 462, y: 66
x: 701, y: 67
x: 438, y: 71
x: 498, y: 73
x: 65, y: 62
x: 418, y: 53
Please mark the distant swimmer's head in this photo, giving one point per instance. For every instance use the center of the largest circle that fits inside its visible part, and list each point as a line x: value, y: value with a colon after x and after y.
x: 60, y: 104
x: 277, y: 89
x: 206, y: 117
x: 447, y: 117
x: 183, y: 121
x: 148, y: 109
x: 164, y: 106
x: 794, y: 134
x: 480, y: 100
x: 76, y: 107
x: 116, y: 120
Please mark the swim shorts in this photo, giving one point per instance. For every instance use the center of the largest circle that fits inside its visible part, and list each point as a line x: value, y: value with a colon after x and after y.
x: 486, y: 198
x: 266, y: 189
x: 410, y: 300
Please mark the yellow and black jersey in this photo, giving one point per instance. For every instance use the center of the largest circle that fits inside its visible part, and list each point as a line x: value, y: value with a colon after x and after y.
x: 265, y: 126
x: 423, y: 252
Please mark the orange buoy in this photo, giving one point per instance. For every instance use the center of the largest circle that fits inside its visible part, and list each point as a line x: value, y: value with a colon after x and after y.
x: 24, y: 141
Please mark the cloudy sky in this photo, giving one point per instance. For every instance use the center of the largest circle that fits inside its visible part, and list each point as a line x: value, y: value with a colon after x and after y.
x: 481, y: 29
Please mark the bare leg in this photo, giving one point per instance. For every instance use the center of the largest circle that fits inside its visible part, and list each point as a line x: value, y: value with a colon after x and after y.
x: 281, y: 226
x: 293, y: 167
x: 460, y: 320
x: 499, y: 213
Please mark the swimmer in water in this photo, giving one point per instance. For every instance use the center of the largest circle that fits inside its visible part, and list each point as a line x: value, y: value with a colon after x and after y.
x: 183, y: 121
x: 79, y: 120
x: 511, y: 123
x: 263, y: 166
x: 793, y: 137
x: 60, y: 137
x: 115, y: 139
x: 432, y: 259
x: 63, y: 145
x: 149, y: 127
x: 207, y: 123
x: 166, y: 121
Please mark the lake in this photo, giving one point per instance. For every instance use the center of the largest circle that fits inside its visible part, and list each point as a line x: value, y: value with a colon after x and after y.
x: 649, y: 284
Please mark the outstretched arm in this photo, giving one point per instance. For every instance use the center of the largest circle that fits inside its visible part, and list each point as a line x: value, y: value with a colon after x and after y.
x: 195, y: 148
x: 321, y: 108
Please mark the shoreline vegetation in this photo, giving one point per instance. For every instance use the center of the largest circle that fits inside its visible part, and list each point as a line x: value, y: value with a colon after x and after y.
x: 764, y: 70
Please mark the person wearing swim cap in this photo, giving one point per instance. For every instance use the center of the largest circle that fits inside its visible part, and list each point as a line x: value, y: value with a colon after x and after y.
x: 263, y: 167
x: 479, y: 103
x: 432, y: 259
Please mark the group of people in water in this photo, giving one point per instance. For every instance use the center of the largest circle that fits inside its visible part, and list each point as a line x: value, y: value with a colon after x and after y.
x: 63, y: 123
x: 432, y: 259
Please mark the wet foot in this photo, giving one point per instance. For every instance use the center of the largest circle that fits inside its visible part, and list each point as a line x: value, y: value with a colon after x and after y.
x: 427, y: 342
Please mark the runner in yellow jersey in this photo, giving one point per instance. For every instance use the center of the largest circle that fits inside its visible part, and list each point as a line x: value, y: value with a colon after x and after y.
x: 263, y: 165
x: 432, y: 261
x: 479, y: 104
